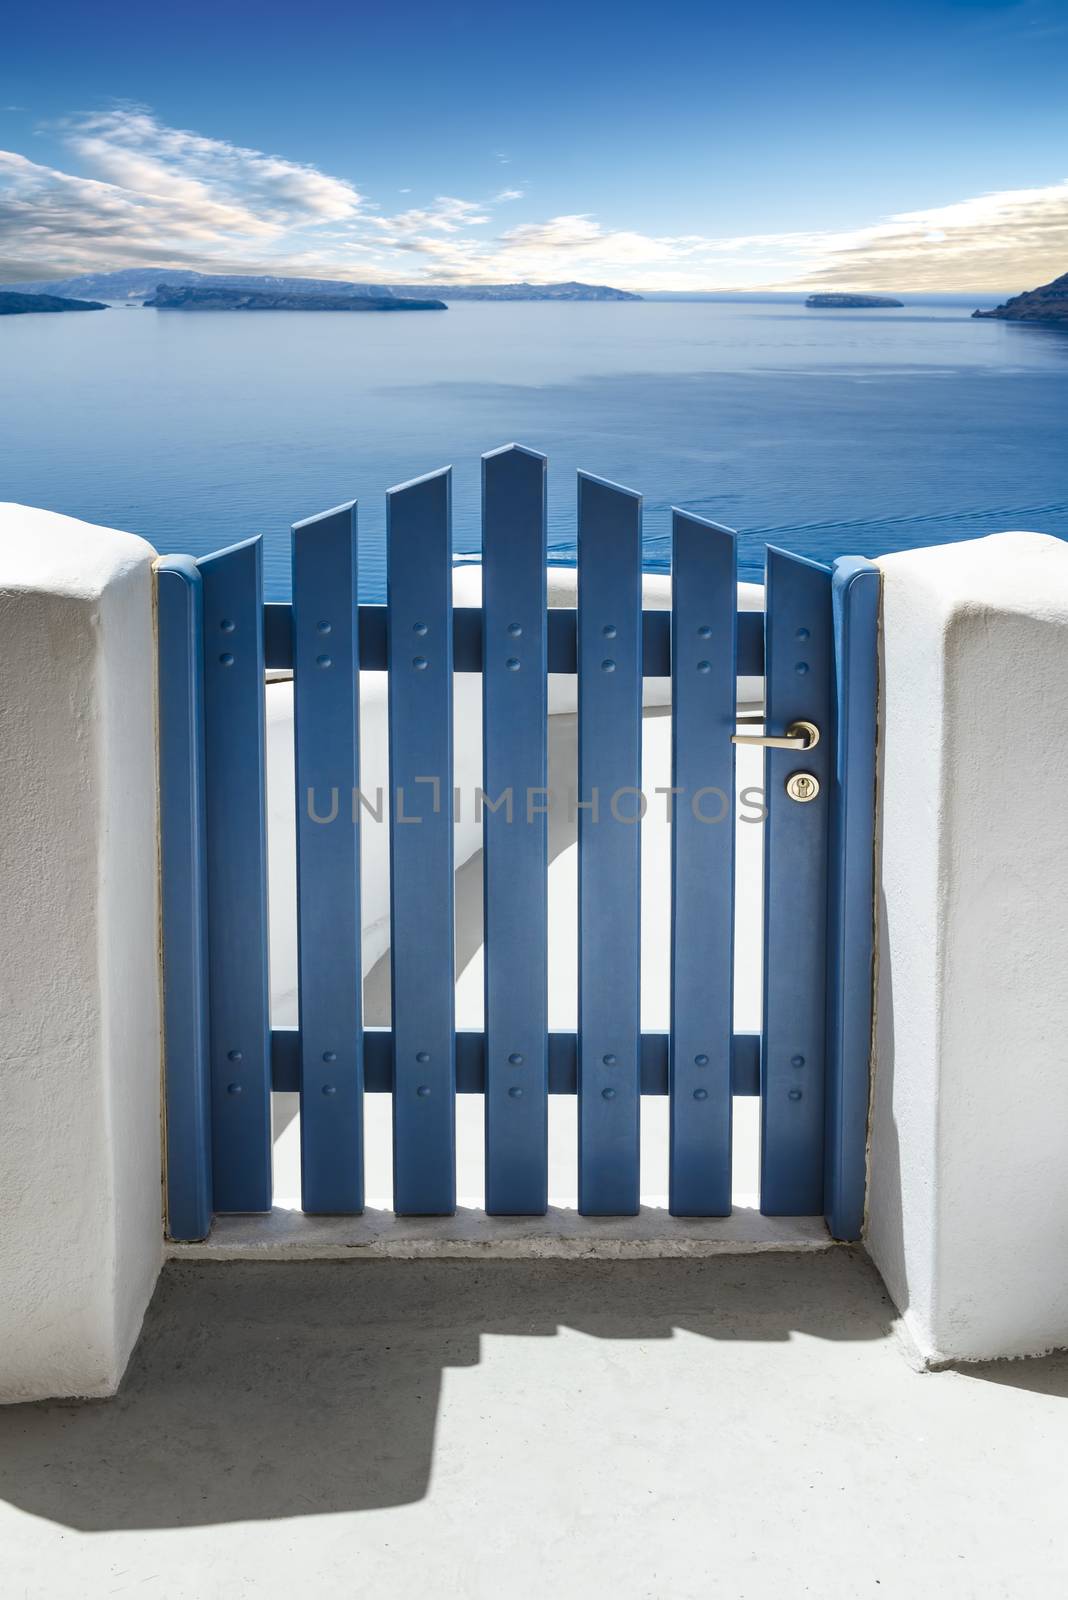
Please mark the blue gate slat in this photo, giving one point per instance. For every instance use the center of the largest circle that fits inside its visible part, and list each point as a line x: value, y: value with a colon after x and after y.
x: 184, y: 898
x: 419, y: 580
x: 799, y: 684
x: 609, y: 866
x: 704, y: 591
x: 237, y: 876
x: 515, y: 860
x: 855, y: 603
x: 326, y: 708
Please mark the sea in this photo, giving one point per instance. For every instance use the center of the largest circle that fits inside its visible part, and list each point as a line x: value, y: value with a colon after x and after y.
x: 823, y: 432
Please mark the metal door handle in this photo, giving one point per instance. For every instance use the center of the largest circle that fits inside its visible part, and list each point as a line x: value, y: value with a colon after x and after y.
x: 798, y: 736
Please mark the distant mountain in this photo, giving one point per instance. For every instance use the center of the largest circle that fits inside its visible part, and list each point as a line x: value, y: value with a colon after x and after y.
x: 134, y: 284
x: 14, y: 305
x: 1046, y: 304
x: 852, y: 302
x: 200, y: 297
x: 517, y: 291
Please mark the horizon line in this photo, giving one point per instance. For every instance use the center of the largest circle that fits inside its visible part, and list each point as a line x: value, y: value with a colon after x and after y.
x: 58, y: 275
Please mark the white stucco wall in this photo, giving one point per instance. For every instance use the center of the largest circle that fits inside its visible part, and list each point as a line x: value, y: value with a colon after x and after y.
x: 968, y: 1199
x: 80, y: 1234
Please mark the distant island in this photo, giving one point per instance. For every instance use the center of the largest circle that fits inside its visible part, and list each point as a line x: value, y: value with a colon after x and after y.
x: 16, y: 305
x: 182, y: 297
x: 852, y: 302
x: 1049, y: 303
x: 132, y: 285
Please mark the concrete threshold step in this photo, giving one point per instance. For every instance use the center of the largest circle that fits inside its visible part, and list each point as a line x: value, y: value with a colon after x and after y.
x: 287, y: 1234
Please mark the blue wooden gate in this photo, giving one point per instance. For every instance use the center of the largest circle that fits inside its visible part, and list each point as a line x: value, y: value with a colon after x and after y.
x: 815, y: 647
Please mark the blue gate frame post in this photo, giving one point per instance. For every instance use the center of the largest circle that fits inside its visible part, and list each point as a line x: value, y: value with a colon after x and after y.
x: 326, y: 713
x: 514, y: 831
x: 187, y: 1099
x: 609, y: 843
x: 234, y: 737
x: 419, y: 579
x: 799, y: 685
x: 704, y: 605
x: 851, y: 892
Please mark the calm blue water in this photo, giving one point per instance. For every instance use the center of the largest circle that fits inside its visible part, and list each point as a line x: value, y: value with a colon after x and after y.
x: 828, y: 433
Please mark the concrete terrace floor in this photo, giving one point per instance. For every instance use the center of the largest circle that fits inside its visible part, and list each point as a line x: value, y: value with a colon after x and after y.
x: 740, y: 1426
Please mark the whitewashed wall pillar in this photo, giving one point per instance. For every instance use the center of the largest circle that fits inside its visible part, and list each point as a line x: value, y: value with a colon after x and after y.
x: 80, y: 1232
x: 968, y: 1198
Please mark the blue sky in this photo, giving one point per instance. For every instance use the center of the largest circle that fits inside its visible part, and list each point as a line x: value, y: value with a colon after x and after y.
x: 919, y: 144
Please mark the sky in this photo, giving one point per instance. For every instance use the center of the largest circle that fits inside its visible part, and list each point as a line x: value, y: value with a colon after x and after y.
x: 910, y: 146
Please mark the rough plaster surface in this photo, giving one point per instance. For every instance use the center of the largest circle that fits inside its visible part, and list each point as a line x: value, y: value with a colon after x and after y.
x: 968, y: 1201
x: 79, y: 982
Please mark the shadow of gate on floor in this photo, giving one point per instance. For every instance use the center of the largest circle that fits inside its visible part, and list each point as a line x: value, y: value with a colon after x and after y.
x: 266, y: 1390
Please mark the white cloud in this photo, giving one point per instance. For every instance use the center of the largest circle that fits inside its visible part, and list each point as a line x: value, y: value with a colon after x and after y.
x: 170, y: 197
x: 130, y: 149
x: 446, y: 215
x: 1009, y: 238
x: 161, y: 195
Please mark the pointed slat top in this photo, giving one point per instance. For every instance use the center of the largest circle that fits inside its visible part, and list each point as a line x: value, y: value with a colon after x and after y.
x: 232, y: 552
x: 704, y: 523
x: 442, y: 475
x: 325, y: 516
x: 515, y: 450
x: 775, y: 553
x: 621, y: 489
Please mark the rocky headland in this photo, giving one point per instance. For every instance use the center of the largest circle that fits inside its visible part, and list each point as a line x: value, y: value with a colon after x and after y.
x: 15, y: 305
x: 1049, y: 303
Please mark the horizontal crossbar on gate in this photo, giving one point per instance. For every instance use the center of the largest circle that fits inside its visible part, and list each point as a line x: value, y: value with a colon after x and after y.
x: 467, y: 625
x: 471, y: 1062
